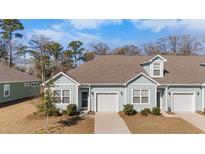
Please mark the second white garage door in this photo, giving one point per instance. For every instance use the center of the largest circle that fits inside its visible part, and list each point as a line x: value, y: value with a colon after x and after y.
x: 184, y: 102
x: 107, y: 102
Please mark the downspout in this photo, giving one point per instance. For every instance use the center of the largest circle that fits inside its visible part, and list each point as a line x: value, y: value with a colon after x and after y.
x: 203, y: 98
x: 89, y: 98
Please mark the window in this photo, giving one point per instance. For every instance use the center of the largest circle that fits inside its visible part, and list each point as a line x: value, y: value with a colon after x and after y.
x: 136, y: 96
x: 26, y: 84
x: 156, y: 69
x: 57, y: 96
x: 66, y: 96
x: 6, y: 90
x: 61, y: 96
x: 141, y: 96
x: 144, y: 96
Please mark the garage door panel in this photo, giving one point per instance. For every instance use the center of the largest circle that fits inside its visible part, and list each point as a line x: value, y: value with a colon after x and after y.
x: 107, y: 102
x: 184, y: 102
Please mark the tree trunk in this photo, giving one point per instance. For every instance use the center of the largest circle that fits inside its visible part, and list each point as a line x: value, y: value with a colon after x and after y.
x: 10, y: 52
x: 42, y: 74
x: 47, y: 122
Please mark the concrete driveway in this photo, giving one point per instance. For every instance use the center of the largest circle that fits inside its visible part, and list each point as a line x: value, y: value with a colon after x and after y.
x: 194, y: 118
x: 110, y: 123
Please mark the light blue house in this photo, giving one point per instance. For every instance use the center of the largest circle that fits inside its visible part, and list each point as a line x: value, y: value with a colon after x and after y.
x: 172, y: 83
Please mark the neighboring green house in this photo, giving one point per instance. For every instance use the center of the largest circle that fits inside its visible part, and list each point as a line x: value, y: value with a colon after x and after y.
x: 16, y: 85
x: 172, y: 83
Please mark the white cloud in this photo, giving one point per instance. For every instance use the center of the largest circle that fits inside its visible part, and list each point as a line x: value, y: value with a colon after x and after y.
x: 56, y: 33
x: 50, y: 33
x: 92, y: 23
x: 156, y: 25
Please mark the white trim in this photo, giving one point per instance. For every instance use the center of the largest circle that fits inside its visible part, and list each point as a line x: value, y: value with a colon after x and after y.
x: 155, y: 95
x: 160, y: 69
x: 125, y: 94
x: 89, y: 99
x: 154, y: 58
x: 77, y: 98
x: 105, y: 92
x: 160, y: 93
x: 9, y: 90
x: 26, y: 84
x: 166, y: 97
x: 202, y: 95
x: 140, y: 97
x: 183, y: 92
x: 138, y: 76
x: 61, y: 103
x: 182, y: 84
x: 147, y: 84
x: 64, y: 84
x: 61, y: 73
x: 4, y: 82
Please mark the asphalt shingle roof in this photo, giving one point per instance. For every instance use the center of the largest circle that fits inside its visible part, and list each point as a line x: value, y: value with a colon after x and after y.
x: 8, y: 74
x: 117, y: 69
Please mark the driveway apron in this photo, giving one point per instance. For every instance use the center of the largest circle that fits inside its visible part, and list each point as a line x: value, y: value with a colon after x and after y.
x: 110, y: 123
x: 194, y: 118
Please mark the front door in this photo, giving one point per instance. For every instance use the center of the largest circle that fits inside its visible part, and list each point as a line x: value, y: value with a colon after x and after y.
x: 158, y: 99
x: 84, y: 99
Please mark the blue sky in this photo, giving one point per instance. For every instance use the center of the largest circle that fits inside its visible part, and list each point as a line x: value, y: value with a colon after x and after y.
x: 113, y: 32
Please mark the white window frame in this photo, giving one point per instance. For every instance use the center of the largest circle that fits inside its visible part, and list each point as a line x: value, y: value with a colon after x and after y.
x: 140, y: 96
x: 9, y: 90
x: 61, y: 96
x: 160, y: 69
x: 32, y: 84
x: 26, y: 84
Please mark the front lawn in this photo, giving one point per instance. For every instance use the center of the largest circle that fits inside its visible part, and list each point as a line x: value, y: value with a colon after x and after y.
x: 152, y: 124
x: 18, y: 119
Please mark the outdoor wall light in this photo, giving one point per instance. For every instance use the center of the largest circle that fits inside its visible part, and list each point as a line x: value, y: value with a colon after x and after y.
x: 169, y: 109
x: 121, y: 93
x: 169, y: 93
x: 197, y: 93
x: 92, y: 93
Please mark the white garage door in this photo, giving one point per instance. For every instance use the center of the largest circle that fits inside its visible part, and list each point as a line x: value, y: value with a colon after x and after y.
x: 184, y: 102
x: 107, y: 102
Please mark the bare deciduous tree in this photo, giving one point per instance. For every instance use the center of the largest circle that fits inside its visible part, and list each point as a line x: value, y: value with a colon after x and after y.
x: 100, y: 48
x: 127, y: 50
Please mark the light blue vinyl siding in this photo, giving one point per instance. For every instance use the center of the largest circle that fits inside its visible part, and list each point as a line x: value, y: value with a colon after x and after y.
x: 63, y: 79
x: 63, y: 83
x: 141, y: 80
x: 152, y: 96
x: 146, y: 67
x: 19, y: 91
x: 196, y: 89
x: 141, y: 83
x: 104, y: 89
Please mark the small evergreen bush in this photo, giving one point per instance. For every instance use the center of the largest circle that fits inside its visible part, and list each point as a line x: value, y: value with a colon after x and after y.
x: 148, y: 110
x: 129, y: 110
x: 156, y: 111
x: 71, y: 109
x: 144, y: 112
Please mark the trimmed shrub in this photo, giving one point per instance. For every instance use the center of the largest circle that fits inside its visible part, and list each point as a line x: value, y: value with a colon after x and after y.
x: 64, y: 112
x: 129, y: 110
x: 156, y: 111
x: 148, y: 110
x: 56, y: 112
x: 144, y: 112
x: 71, y: 109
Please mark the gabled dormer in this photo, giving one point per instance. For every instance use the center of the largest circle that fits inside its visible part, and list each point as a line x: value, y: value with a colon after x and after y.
x: 155, y: 66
